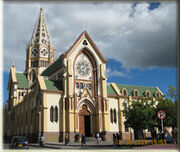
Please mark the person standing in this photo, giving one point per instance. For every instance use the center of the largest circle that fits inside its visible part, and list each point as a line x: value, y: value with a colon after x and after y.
x: 66, y: 139
x: 83, y: 140
x: 117, y: 138
x: 114, y: 140
x: 97, y: 138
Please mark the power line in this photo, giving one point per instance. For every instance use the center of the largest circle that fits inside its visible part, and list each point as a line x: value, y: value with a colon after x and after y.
x: 97, y: 33
x: 139, y: 21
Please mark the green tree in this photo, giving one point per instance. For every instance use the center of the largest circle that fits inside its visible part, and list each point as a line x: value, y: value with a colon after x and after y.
x: 139, y: 116
x: 142, y: 114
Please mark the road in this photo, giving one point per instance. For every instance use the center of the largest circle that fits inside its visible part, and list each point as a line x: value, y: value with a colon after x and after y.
x: 51, y: 146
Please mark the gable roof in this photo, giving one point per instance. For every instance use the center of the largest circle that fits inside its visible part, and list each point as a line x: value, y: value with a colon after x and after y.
x: 54, y: 85
x: 85, y: 34
x: 52, y: 67
x: 22, y: 80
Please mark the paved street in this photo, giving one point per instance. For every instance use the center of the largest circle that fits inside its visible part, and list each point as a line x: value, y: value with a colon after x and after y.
x: 93, y: 145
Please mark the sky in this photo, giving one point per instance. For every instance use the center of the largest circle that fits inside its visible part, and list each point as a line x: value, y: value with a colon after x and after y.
x: 137, y: 39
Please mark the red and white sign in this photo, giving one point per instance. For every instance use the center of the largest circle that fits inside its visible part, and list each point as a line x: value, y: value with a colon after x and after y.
x: 161, y: 114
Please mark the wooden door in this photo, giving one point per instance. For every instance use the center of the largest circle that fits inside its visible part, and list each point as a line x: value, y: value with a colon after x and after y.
x: 81, y: 124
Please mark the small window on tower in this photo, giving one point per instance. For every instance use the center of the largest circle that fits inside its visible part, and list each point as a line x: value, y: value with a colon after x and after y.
x: 37, y: 34
x: 43, y: 34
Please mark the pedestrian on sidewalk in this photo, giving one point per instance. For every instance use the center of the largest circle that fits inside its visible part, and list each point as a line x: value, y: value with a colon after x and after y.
x: 66, y: 138
x: 114, y: 140
x: 98, y: 138
x: 117, y: 138
x: 83, y: 140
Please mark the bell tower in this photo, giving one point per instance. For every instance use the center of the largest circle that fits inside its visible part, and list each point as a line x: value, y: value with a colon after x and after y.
x: 40, y: 51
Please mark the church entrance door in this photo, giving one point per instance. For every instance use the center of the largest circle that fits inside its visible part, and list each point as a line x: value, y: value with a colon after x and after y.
x: 84, y: 121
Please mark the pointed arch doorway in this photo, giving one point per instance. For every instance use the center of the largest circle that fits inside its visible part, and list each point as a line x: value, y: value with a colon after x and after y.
x: 85, y: 121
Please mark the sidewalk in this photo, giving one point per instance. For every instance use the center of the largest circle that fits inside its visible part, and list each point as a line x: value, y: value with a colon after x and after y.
x: 102, y: 145
x: 76, y: 145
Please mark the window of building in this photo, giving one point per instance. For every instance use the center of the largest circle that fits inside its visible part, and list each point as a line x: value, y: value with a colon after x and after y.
x: 111, y: 115
x: 90, y: 86
x: 157, y: 94
x: 51, y: 113
x: 126, y: 128
x: 147, y: 93
x: 124, y: 92
x: 22, y: 93
x: 115, y: 118
x: 81, y: 85
x: 136, y: 93
x: 77, y: 85
x: 56, y: 114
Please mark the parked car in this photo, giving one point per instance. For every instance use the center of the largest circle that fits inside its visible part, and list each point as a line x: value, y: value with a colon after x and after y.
x: 19, y: 142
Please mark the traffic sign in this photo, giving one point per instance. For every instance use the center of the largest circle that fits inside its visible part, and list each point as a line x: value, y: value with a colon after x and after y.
x: 161, y: 114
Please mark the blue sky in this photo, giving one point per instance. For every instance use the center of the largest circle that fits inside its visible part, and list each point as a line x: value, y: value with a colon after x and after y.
x: 138, y: 39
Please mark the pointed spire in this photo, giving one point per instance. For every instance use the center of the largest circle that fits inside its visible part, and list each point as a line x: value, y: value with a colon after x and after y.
x: 41, y: 34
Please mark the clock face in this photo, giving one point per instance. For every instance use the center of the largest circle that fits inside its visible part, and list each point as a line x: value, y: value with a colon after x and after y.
x: 34, y: 52
x: 83, y: 68
x: 44, y: 52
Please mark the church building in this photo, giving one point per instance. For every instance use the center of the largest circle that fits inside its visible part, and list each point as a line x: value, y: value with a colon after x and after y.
x: 69, y: 94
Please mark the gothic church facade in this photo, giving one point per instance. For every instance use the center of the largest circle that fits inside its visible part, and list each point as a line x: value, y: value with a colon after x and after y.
x: 69, y: 94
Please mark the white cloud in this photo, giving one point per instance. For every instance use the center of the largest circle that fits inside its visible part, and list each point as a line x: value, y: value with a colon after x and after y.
x: 151, y: 43
x: 110, y: 73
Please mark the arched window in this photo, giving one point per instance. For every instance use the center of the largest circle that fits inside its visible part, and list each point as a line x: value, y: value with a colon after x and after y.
x: 147, y: 93
x: 51, y: 113
x: 81, y: 85
x: 136, y: 93
x: 90, y: 86
x: 19, y: 94
x: 111, y: 115
x: 157, y: 94
x: 77, y: 85
x: 124, y: 92
x: 56, y: 114
x: 115, y: 118
x: 22, y: 93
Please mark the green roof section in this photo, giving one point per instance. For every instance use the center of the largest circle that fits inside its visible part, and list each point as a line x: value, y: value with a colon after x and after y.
x: 141, y: 89
x: 54, y: 85
x: 110, y: 90
x: 53, y: 67
x: 22, y: 80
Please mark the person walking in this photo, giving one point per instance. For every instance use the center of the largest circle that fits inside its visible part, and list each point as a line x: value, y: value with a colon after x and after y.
x: 83, y: 140
x: 66, y: 139
x: 117, y: 138
x: 98, y: 138
x: 114, y: 140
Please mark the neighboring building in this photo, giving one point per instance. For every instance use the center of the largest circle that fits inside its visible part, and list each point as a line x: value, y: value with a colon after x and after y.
x: 67, y: 95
